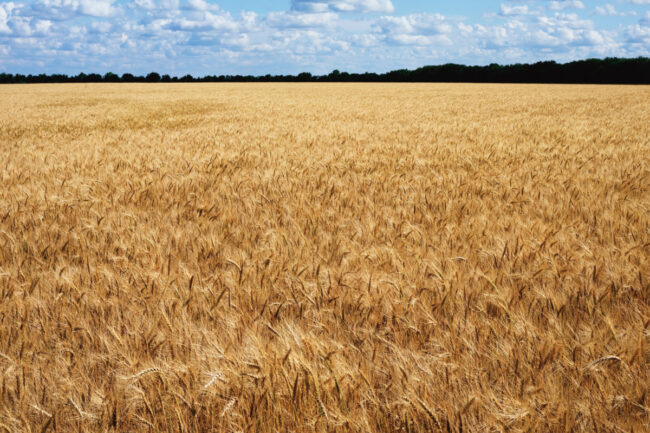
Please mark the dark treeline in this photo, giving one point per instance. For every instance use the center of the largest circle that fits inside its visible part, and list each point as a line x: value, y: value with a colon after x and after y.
x: 597, y: 71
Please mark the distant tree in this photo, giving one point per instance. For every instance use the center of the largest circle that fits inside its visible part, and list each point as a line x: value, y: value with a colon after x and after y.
x: 334, y: 75
x: 153, y: 77
x: 608, y: 70
x: 304, y: 76
x: 110, y: 77
x: 6, y: 78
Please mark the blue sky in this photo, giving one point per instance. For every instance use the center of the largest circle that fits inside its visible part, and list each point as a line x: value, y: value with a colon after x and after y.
x: 202, y: 37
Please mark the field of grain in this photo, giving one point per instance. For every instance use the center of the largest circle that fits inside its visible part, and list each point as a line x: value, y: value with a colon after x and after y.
x: 335, y: 257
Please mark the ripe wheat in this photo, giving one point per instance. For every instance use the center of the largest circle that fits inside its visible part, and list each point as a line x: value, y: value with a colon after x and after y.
x: 336, y: 257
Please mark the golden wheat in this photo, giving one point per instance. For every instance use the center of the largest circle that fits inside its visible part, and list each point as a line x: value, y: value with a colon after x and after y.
x: 335, y: 257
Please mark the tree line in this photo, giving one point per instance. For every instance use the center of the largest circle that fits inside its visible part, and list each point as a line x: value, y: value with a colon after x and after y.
x: 595, y: 71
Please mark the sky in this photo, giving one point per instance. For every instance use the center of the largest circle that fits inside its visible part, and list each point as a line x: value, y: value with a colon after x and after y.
x: 215, y: 37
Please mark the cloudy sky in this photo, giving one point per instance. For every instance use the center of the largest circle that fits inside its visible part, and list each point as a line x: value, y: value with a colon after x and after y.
x: 290, y: 36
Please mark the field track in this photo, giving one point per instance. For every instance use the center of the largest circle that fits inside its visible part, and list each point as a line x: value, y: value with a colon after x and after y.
x: 324, y: 257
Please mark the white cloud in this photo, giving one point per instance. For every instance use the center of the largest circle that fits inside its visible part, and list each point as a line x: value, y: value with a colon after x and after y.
x: 416, y: 23
x: 564, y: 4
x: 343, y: 5
x: 201, y: 5
x: 97, y: 8
x: 42, y: 27
x: 12, y: 22
x: 465, y: 28
x: 197, y: 37
x: 557, y: 36
x: 564, y: 20
x: 638, y: 34
x: 420, y: 39
x: 415, y: 29
x: 645, y: 21
x: 508, y: 10
x: 610, y: 10
x: 206, y: 21
x: 249, y: 20
x: 300, y: 20
x: 100, y: 26
x: 145, y: 4
x: 5, y: 13
x: 66, y: 9
x: 167, y: 4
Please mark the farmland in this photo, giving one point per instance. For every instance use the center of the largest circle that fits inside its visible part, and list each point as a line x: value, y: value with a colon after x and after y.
x: 324, y: 257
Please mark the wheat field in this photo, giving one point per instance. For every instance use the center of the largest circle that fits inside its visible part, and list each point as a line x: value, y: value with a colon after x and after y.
x: 324, y: 258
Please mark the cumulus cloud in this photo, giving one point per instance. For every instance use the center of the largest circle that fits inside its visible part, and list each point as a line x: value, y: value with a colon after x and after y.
x: 343, y: 5
x: 151, y: 5
x: 565, y: 21
x: 100, y: 26
x: 206, y: 21
x: 300, y: 20
x: 201, y: 5
x: 198, y: 36
x: 638, y: 34
x: 68, y: 9
x: 512, y: 10
x: 13, y: 23
x: 610, y: 10
x: 558, y: 36
x: 145, y: 4
x: 5, y: 13
x: 415, y: 29
x: 564, y: 4
x: 97, y: 8
x: 645, y: 21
